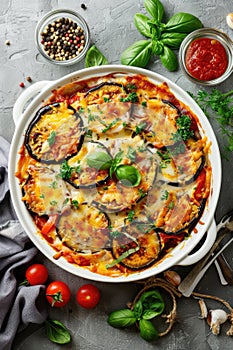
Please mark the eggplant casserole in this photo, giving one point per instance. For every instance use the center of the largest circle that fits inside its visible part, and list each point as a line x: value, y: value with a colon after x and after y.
x: 115, y: 173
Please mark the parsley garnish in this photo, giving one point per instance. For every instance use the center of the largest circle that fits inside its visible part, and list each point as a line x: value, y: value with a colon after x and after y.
x: 132, y: 97
x: 144, y: 104
x: 184, y: 132
x: 53, y: 185
x: 164, y: 195
x: 109, y: 126
x: 165, y: 159
x: 140, y: 127
x: 65, y: 170
x: 75, y: 203
x: 131, y: 215
x: 53, y: 203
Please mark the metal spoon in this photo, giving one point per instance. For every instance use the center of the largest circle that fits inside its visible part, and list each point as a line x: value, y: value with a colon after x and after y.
x: 189, y: 283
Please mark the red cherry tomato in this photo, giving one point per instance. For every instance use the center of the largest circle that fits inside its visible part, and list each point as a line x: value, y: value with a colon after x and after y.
x: 88, y: 296
x: 36, y: 274
x: 58, y: 293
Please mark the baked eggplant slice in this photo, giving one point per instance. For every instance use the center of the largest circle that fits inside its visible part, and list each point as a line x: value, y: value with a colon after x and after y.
x: 84, y: 229
x: 44, y: 193
x: 156, y: 122
x: 180, y: 169
x: 82, y: 175
x: 106, y: 90
x: 107, y: 118
x: 55, y: 134
x: 136, y: 246
x: 114, y: 196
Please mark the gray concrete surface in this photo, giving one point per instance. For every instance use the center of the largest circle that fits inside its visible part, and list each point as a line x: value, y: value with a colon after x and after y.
x: 112, y: 30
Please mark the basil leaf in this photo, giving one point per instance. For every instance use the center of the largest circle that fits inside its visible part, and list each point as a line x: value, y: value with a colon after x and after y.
x: 141, y: 22
x: 99, y: 160
x: 152, y: 301
x: 149, y: 314
x: 138, y: 309
x: 94, y: 57
x: 183, y: 22
x: 155, y: 9
x: 57, y: 332
x: 169, y: 59
x: 147, y: 330
x: 137, y: 54
x: 128, y: 175
x: 157, y: 47
x: 121, y: 318
x: 173, y: 40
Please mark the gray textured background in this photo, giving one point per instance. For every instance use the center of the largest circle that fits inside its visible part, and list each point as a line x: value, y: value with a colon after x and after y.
x: 112, y: 30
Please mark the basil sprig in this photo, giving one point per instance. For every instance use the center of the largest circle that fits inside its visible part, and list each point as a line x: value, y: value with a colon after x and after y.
x: 162, y: 38
x: 149, y: 305
x: 127, y: 174
x: 95, y: 58
x: 57, y: 332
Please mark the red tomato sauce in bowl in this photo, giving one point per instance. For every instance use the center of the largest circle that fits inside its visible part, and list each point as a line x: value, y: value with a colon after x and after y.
x: 206, y: 56
x: 206, y: 59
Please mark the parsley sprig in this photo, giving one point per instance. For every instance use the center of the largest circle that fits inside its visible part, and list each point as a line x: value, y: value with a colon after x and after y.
x: 222, y: 105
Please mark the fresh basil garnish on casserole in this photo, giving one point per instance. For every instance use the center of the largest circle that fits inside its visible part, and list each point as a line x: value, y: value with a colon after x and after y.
x: 115, y: 173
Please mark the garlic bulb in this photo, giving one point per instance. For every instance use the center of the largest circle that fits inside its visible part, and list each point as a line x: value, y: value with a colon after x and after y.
x: 229, y: 19
x: 215, y: 318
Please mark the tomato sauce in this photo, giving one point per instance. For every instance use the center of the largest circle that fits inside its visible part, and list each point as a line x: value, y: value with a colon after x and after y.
x: 206, y: 59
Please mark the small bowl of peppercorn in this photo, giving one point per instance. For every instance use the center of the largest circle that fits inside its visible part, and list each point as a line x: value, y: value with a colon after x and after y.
x: 63, y: 37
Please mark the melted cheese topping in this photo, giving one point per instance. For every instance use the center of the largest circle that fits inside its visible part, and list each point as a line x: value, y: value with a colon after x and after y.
x: 121, y: 115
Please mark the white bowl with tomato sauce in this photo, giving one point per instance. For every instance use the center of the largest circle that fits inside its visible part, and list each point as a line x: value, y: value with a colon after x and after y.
x: 206, y: 56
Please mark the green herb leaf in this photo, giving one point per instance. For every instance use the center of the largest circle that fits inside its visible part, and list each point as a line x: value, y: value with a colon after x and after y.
x: 131, y: 215
x: 155, y: 9
x: 140, y: 127
x: 121, y: 318
x: 157, y: 47
x: 115, y: 162
x: 94, y: 57
x: 138, y: 309
x: 153, y: 301
x: 183, y: 22
x: 169, y: 59
x: 173, y: 40
x: 51, y: 138
x: 131, y: 154
x: 128, y: 175
x: 123, y: 256
x: 99, y: 160
x: 57, y: 332
x: 141, y: 22
x: 147, y: 330
x: 184, y: 127
x: 137, y: 54
x: 65, y: 170
x: 132, y: 97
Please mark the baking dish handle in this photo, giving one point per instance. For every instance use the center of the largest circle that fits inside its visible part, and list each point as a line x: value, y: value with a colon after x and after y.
x: 198, y: 255
x: 26, y: 96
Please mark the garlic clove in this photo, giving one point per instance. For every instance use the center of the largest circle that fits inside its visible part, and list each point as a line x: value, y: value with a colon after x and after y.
x: 229, y: 19
x: 215, y: 318
x: 173, y: 277
x: 203, y: 308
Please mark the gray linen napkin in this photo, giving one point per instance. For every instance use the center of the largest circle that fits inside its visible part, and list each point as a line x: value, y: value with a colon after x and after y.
x: 22, y: 305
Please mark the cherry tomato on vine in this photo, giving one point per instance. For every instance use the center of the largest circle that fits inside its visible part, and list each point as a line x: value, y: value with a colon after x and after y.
x: 36, y: 274
x: 58, y: 293
x: 88, y: 296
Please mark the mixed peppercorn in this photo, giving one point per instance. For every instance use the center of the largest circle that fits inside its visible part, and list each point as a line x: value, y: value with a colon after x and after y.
x: 63, y: 39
